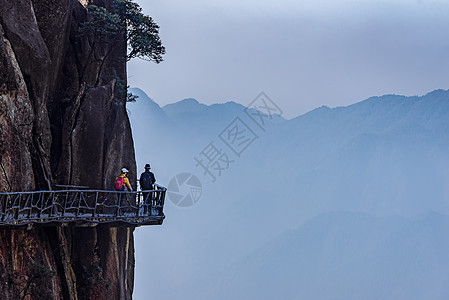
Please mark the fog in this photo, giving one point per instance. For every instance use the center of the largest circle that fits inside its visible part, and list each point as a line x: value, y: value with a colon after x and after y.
x: 349, y: 202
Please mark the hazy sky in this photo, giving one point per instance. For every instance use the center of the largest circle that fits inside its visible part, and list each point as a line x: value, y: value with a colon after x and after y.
x: 302, y: 54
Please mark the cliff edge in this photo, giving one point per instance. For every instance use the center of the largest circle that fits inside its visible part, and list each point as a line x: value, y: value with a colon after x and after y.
x: 63, y: 121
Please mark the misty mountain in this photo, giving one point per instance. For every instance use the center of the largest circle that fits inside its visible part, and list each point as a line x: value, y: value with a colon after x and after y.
x: 378, y: 165
x: 187, y: 117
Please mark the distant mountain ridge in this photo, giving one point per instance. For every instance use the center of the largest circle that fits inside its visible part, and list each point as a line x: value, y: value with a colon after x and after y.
x: 388, y: 105
x: 188, y: 114
x: 189, y: 105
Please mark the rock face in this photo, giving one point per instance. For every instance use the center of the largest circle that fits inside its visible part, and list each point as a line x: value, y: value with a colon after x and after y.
x: 62, y: 121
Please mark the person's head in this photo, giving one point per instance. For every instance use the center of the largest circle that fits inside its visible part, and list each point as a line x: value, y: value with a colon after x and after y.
x: 125, y: 171
x: 147, y: 167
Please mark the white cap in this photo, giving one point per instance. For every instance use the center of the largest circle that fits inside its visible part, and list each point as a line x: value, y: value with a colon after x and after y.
x: 125, y: 170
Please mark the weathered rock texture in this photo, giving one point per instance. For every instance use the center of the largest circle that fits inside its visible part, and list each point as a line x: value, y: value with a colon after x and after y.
x: 62, y: 121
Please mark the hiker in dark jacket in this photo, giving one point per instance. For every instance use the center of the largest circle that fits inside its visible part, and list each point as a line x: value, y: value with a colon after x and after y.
x: 146, y: 183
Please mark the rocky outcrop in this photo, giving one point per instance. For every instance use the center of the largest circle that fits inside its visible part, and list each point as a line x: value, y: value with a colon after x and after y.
x: 16, y: 122
x: 62, y: 121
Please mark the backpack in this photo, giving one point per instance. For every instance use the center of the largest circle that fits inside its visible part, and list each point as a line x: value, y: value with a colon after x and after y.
x: 120, y: 183
x: 146, y: 181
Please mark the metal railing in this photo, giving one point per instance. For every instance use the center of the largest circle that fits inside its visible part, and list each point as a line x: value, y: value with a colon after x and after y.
x: 83, y: 207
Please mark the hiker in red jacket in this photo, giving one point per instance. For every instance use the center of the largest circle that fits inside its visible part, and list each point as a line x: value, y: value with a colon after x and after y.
x: 122, y: 182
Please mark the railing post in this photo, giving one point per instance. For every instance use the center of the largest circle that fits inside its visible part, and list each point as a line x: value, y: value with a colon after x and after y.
x: 95, y: 206
x: 153, y: 197
x: 162, y: 201
x: 66, y: 200
x: 119, y: 200
x: 16, y: 213
x: 138, y: 203
x: 52, y: 205
x: 78, y: 198
x: 30, y: 204
x: 39, y: 209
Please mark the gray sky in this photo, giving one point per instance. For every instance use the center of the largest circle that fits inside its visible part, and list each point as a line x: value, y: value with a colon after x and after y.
x: 302, y: 54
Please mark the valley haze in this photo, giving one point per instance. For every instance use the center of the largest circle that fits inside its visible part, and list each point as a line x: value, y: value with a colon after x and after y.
x: 339, y: 203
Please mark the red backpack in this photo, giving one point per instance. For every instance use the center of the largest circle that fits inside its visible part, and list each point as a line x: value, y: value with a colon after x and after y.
x: 120, y: 183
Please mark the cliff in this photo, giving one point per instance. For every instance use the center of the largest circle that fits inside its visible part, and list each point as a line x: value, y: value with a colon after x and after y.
x: 63, y: 120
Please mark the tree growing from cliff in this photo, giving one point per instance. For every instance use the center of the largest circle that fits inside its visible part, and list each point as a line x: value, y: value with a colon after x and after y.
x: 142, y: 33
x: 126, y: 17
